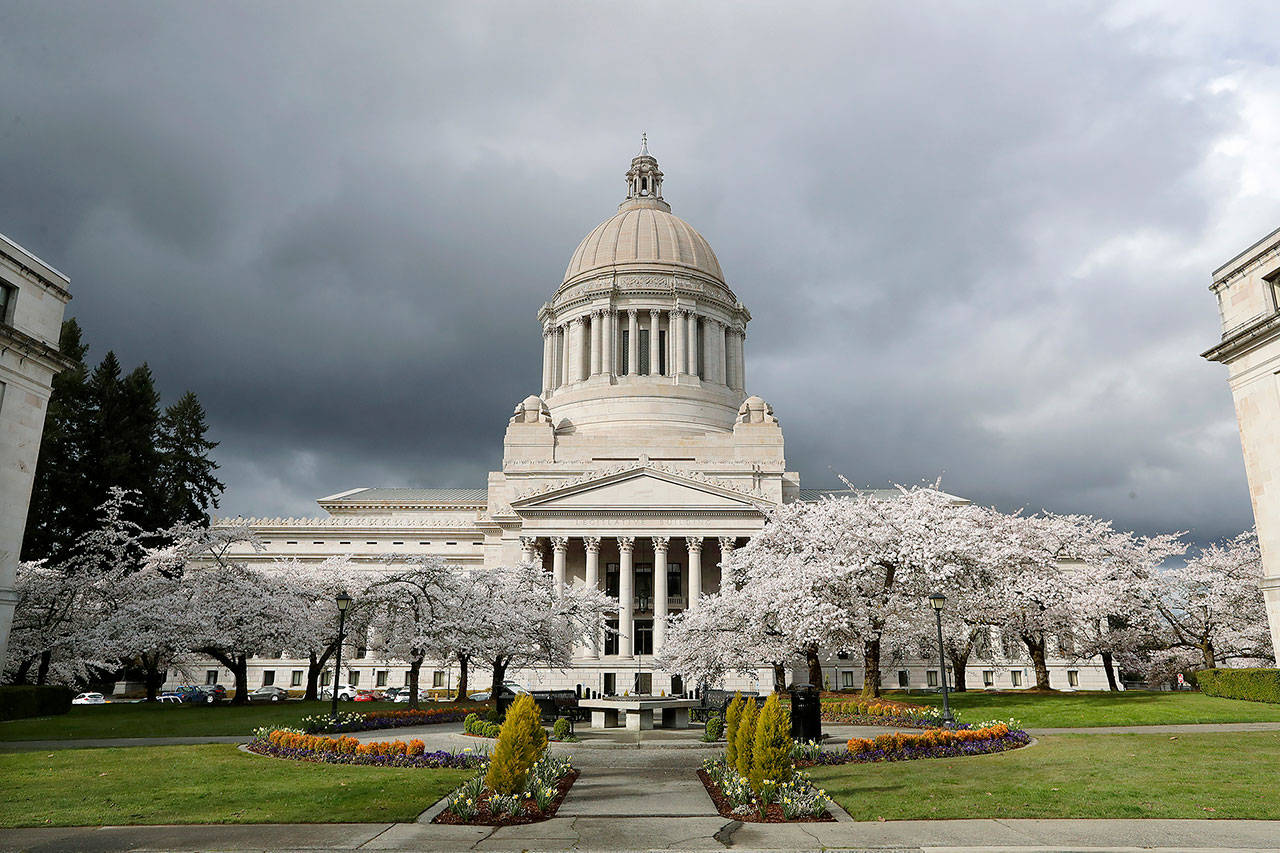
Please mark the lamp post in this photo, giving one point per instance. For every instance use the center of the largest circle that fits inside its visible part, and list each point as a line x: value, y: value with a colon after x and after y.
x: 938, y: 601
x: 343, y: 601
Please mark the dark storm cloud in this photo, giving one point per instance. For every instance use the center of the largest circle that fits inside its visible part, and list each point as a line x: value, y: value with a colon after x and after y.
x: 975, y: 241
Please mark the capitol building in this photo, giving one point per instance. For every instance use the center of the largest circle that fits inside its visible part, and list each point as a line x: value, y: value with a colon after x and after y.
x: 642, y: 461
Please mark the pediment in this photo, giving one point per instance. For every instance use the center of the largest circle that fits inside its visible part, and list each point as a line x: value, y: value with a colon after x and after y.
x: 639, y: 489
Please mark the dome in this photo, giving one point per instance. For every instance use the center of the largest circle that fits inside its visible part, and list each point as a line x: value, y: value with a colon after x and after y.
x: 641, y: 234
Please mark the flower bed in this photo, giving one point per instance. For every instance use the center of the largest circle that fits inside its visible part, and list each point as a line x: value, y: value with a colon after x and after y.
x: 363, y: 721
x: 881, y: 712
x: 474, y: 804
x: 795, y: 800
x: 300, y: 746
x: 934, y: 743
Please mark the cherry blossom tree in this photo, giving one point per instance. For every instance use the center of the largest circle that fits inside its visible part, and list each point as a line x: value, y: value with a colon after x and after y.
x: 730, y: 632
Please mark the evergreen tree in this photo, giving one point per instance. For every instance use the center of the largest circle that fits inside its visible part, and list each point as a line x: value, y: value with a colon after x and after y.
x: 746, y: 738
x: 732, y: 718
x: 771, y: 751
x: 187, y: 483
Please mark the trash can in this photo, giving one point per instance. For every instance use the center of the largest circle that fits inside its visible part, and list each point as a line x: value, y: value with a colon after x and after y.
x: 806, y: 713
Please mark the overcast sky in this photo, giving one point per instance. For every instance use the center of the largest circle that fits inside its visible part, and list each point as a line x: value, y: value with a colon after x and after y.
x: 976, y: 239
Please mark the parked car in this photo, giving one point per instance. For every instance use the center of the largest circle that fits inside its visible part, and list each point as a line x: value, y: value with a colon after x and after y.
x: 345, y: 693
x: 510, y: 690
x: 402, y: 694
x: 89, y: 699
x: 268, y: 693
x: 169, y: 698
x: 368, y: 696
x: 206, y: 694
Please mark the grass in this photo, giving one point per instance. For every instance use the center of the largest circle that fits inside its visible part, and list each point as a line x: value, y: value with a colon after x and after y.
x: 157, y: 720
x: 214, y: 783
x: 1074, y: 776
x: 1069, y: 710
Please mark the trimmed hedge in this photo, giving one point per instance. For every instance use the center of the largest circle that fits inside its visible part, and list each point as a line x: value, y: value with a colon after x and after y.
x: 1255, y: 685
x: 29, y: 700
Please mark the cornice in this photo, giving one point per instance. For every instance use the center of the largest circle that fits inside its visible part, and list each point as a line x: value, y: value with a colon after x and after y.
x: 34, y: 348
x: 1250, y: 261
x: 341, y: 523
x: 1249, y: 337
x: 643, y: 465
x: 33, y: 275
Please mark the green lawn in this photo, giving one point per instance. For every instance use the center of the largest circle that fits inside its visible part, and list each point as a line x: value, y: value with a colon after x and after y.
x: 1074, y: 776
x: 214, y: 783
x: 156, y: 720
x: 1135, y: 708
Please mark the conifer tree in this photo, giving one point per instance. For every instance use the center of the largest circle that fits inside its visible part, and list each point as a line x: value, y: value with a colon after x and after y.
x: 771, y: 753
x: 746, y: 738
x: 732, y: 718
x: 521, y: 742
x: 187, y: 484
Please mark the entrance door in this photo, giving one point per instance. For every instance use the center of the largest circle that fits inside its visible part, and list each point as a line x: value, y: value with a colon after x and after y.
x: 644, y: 683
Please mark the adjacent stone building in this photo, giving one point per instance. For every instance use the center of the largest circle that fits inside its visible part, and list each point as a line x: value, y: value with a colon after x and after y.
x: 1248, y: 291
x: 33, y: 296
x: 640, y: 463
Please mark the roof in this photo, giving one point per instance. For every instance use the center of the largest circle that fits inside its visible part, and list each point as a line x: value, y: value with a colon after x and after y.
x: 813, y: 495
x: 467, y: 496
x: 644, y: 235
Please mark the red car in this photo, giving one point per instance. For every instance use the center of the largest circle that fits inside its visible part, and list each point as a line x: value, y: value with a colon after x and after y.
x: 368, y: 696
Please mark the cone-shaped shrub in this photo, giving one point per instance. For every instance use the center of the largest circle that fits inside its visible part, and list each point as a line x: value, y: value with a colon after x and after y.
x: 732, y: 716
x: 771, y: 753
x: 521, y: 742
x: 746, y: 738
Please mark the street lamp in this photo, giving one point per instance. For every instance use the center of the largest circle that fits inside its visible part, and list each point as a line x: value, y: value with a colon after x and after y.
x: 938, y: 601
x: 343, y: 601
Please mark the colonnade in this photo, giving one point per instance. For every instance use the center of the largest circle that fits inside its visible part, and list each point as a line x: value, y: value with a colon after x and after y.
x: 591, y: 345
x: 531, y: 550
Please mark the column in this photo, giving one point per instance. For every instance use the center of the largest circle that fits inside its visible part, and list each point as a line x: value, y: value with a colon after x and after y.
x: 559, y: 552
x: 692, y: 343
x: 565, y: 339
x: 722, y: 353
x: 742, y: 359
x: 633, y: 342
x: 527, y: 544
x: 626, y: 595
x: 731, y: 358
x: 654, y: 362
x: 595, y: 343
x: 659, y: 591
x: 593, y: 582
x: 677, y: 326
x: 606, y: 342
x: 726, y: 549
x: 694, y: 544
x: 547, y: 358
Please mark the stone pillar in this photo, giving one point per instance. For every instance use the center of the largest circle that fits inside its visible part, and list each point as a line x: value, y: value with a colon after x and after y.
x: 593, y: 582
x: 626, y: 595
x: 660, y: 591
x: 694, y: 544
x: 578, y: 350
x: 527, y: 544
x: 731, y: 358
x: 726, y: 548
x: 548, y: 359
x: 595, y: 343
x: 742, y: 359
x: 692, y: 344
x: 655, y: 362
x: 677, y: 326
x: 565, y: 340
x: 720, y: 375
x: 606, y: 342
x: 559, y: 551
x: 633, y: 342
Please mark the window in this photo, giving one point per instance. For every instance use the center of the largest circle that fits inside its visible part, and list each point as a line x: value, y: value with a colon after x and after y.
x: 701, y: 347
x: 407, y: 676
x: 268, y: 677
x: 437, y: 679
x: 611, y: 580
x: 644, y: 637
x: 675, y: 583
x: 842, y: 655
x: 644, y: 353
x: 931, y: 677
x: 380, y: 678
x: 846, y: 679
x: 353, y: 678
x: 361, y: 651
x: 662, y: 353
x: 625, y: 351
x: 1073, y: 677
x: 677, y: 685
x: 611, y: 640
x: 903, y: 678
x: 988, y: 678
x: 643, y: 684
x: 644, y: 587
x: 611, y: 683
x: 1016, y: 678
x: 324, y: 678
x: 8, y: 298
x: 211, y: 676
x: 1273, y: 282
x: 295, y: 678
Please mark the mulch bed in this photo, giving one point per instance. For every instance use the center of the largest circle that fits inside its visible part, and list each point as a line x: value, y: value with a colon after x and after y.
x: 532, y: 814
x: 773, y: 814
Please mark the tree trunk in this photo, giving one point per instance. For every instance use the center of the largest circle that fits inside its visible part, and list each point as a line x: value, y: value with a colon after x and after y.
x: 1035, y: 645
x: 499, y: 676
x: 958, y: 663
x: 779, y: 678
x: 871, y: 669
x: 814, y: 663
x: 42, y: 673
x: 151, y: 665
x: 415, y: 667
x: 241, y: 673
x: 1206, y: 648
x: 463, y: 660
x: 1111, y: 671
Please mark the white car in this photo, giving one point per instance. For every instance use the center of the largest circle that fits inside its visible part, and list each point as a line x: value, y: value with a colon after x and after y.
x: 346, y: 693
x: 89, y: 699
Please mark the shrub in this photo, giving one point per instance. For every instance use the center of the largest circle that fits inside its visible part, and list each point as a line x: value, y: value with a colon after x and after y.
x: 732, y: 717
x: 746, y: 738
x: 562, y: 728
x: 470, y: 722
x: 1254, y: 685
x: 713, y: 729
x: 30, y: 700
x: 521, y: 742
x: 771, y: 749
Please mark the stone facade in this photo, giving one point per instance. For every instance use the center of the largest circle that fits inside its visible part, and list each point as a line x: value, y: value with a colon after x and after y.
x: 1248, y: 291
x: 641, y: 463
x: 33, y: 296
